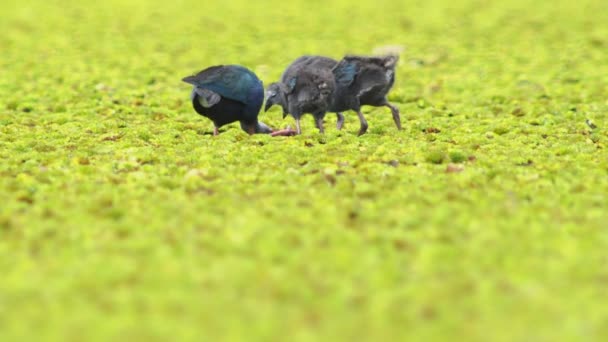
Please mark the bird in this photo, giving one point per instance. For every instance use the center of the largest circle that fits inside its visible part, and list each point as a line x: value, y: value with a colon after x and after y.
x: 226, y: 94
x: 306, y: 86
x: 364, y: 80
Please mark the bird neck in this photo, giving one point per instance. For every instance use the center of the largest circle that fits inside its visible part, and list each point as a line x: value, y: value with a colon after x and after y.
x: 255, y: 127
x: 256, y: 99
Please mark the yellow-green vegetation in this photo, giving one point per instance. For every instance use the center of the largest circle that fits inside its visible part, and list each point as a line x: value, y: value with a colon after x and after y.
x: 484, y: 219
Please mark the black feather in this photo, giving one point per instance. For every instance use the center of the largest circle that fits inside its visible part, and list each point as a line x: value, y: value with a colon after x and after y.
x: 362, y: 81
x: 306, y: 86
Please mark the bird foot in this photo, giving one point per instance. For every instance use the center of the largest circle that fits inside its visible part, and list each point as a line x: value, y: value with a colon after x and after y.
x: 362, y: 130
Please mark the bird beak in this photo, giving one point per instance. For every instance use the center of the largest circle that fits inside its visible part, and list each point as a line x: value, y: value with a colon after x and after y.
x: 263, y: 128
x: 268, y: 105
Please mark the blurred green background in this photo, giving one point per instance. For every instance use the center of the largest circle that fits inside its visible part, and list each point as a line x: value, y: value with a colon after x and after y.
x: 483, y: 219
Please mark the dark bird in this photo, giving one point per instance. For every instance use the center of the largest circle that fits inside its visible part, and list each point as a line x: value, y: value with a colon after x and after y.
x: 228, y: 93
x: 364, y: 81
x: 306, y: 86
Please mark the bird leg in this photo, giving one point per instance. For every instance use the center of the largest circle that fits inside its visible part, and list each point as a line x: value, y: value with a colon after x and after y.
x: 216, y: 130
x: 340, y: 121
x: 298, y: 129
x: 319, y: 123
x: 363, y: 122
x: 395, y: 112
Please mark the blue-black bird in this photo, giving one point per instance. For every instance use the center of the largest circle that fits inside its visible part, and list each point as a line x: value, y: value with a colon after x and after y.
x: 306, y: 86
x: 364, y: 81
x: 229, y: 93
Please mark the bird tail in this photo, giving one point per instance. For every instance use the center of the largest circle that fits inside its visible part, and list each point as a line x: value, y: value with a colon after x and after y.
x: 190, y: 79
x: 390, y: 61
x: 387, y: 61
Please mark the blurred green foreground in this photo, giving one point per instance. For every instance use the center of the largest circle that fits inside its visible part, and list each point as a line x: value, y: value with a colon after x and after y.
x: 122, y: 218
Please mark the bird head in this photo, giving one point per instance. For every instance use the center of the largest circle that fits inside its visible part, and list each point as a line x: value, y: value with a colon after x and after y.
x: 276, y: 94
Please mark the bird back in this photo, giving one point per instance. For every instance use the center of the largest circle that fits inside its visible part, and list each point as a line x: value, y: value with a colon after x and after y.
x: 314, y: 62
x: 230, y: 81
x: 353, y: 67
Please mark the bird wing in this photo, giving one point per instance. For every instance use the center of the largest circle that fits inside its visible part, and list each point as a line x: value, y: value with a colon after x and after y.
x: 363, y: 74
x: 291, y: 84
x: 290, y: 75
x: 352, y: 67
x: 373, y: 77
x: 313, y: 88
x: 232, y: 82
x: 304, y: 95
x: 345, y: 72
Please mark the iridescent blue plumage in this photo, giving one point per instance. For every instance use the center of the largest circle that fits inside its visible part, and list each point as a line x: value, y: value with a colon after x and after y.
x: 229, y: 93
x: 345, y: 73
